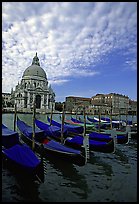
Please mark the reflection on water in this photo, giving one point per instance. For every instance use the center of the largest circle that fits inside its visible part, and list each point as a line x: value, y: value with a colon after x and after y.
x: 72, y: 177
x: 18, y: 189
x: 121, y: 156
x: 107, y: 177
x: 106, y: 168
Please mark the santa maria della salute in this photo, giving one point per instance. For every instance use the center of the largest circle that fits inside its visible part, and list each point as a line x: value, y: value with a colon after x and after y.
x: 33, y: 88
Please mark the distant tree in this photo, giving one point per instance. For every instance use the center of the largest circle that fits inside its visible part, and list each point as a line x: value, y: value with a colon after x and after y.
x: 9, y: 104
x: 3, y: 104
x: 59, y: 106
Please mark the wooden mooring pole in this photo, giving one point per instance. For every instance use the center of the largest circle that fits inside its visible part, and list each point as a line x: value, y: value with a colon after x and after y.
x: 85, y: 138
x: 33, y: 125
x: 62, y: 123
x: 15, y: 113
x: 51, y: 116
x: 99, y: 116
x: 111, y: 118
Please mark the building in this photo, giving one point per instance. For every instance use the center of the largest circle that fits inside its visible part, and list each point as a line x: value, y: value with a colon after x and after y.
x: 74, y: 103
x: 33, y: 88
x: 117, y: 102
x: 6, y: 100
x: 132, y: 107
x: 103, y: 103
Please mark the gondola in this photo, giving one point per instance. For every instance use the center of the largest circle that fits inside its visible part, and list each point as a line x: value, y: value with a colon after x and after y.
x: 73, y: 121
x: 94, y: 145
x: 69, y: 128
x: 76, y: 141
x: 51, y: 148
x: 81, y: 122
x: 19, y: 157
x: 50, y: 130
x: 106, y: 136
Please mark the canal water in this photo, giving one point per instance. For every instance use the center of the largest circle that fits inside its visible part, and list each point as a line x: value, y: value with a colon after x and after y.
x: 107, y: 177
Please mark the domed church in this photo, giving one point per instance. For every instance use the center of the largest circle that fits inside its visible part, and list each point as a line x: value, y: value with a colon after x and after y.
x: 34, y: 88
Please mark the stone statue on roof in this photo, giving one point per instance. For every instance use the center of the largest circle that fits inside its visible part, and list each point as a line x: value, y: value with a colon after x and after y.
x: 36, y: 60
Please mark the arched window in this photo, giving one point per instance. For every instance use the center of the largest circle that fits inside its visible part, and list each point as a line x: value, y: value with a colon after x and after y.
x: 38, y: 101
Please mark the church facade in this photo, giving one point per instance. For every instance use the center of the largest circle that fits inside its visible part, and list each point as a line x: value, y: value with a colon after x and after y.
x: 34, y: 88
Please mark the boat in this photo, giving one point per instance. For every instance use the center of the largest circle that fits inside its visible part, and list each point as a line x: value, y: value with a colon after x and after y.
x: 76, y: 142
x: 50, y: 130
x: 128, y: 122
x: 92, y: 120
x: 94, y: 145
x: 105, y: 134
x: 89, y: 127
x: 121, y: 138
x: 69, y: 128
x: 51, y: 148
x: 79, y: 121
x: 19, y: 157
x: 104, y: 123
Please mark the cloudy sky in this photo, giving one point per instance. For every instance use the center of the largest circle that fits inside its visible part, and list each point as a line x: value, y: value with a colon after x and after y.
x: 85, y: 48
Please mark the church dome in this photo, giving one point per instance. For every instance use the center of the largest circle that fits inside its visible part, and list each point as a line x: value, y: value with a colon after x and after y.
x: 35, y: 69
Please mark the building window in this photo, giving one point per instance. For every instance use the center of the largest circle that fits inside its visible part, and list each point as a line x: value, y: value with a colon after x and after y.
x: 31, y: 98
x: 45, y: 99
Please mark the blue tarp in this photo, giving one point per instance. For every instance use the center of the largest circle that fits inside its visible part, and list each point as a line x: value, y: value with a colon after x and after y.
x: 79, y: 140
x: 92, y: 120
x: 76, y: 121
x: 9, y: 137
x: 106, y: 119
x: 49, y: 130
x: 51, y: 144
x: 79, y: 121
x: 105, y: 136
x: 69, y: 128
x: 57, y: 146
x: 22, y: 155
x: 28, y: 130
x: 99, y: 135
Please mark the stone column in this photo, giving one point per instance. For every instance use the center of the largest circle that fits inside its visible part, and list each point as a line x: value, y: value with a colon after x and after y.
x: 34, y: 97
x: 28, y: 100
x: 47, y: 101
x: 42, y: 102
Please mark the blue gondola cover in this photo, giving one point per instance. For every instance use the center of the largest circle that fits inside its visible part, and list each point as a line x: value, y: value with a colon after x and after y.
x: 22, y: 155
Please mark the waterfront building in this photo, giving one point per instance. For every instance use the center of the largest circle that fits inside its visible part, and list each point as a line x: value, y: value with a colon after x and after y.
x: 104, y: 103
x: 6, y: 100
x: 74, y: 103
x: 117, y: 102
x: 34, y: 88
x: 132, y: 107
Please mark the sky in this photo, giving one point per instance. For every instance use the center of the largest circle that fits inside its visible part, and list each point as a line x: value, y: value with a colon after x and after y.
x: 85, y: 48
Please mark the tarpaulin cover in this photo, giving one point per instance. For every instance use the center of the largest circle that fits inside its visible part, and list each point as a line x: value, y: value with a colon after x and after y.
x: 70, y: 128
x: 22, y: 155
x: 9, y: 137
x: 82, y: 123
x: 79, y: 140
x: 99, y: 135
x: 107, y: 135
x: 49, y: 130
x: 106, y: 119
x: 92, y: 120
x: 56, y: 145
x: 28, y: 130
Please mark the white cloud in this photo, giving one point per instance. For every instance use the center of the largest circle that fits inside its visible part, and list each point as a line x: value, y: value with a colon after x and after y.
x: 70, y: 37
